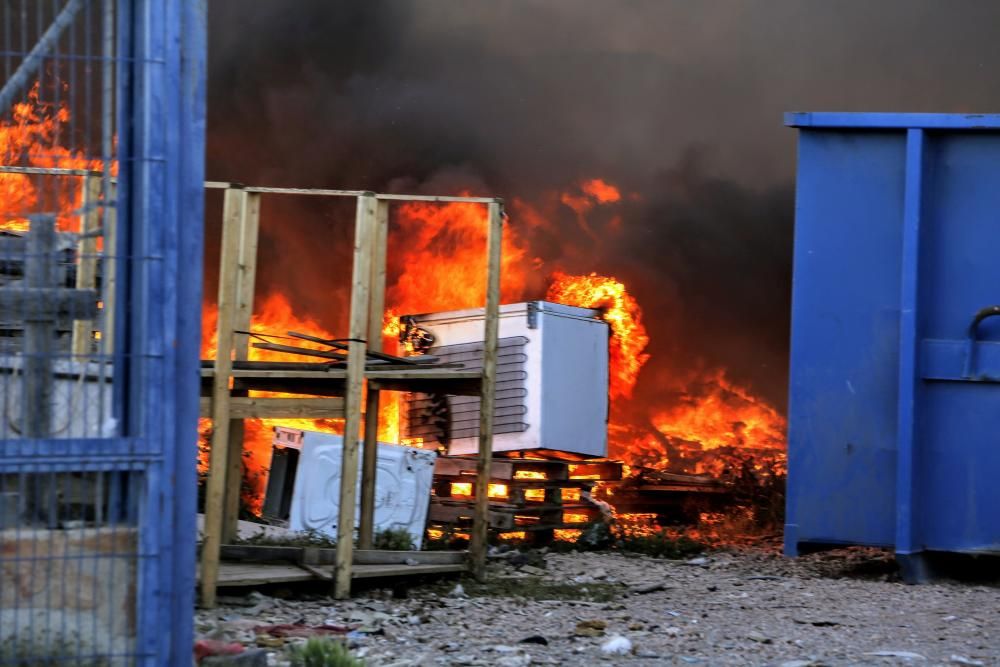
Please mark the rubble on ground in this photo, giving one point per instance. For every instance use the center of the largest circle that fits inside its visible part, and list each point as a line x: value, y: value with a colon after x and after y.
x: 749, y: 608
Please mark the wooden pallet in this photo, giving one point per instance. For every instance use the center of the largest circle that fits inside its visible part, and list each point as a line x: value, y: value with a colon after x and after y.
x: 534, y: 496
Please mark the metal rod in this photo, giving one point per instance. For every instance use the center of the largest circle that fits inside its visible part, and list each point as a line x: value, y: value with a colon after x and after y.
x: 26, y: 70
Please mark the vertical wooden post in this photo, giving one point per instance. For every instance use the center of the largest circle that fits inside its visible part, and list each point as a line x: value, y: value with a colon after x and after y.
x: 109, y: 275
x: 361, y: 279
x: 246, y: 275
x: 369, y: 464
x: 478, y: 543
x: 232, y: 214
x: 86, y: 268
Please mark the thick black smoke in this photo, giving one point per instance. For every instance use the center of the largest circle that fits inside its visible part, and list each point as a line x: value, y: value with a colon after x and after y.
x: 678, y: 102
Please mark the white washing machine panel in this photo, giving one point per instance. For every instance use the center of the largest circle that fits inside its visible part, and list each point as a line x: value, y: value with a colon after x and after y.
x: 402, y: 487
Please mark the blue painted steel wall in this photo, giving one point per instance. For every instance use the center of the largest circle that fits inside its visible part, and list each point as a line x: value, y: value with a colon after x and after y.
x: 894, y: 411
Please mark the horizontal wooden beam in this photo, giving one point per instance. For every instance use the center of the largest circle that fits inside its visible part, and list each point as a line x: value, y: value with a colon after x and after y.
x: 279, y: 408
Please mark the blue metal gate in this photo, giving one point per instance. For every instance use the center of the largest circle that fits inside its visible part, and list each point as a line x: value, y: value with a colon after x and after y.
x: 101, y: 173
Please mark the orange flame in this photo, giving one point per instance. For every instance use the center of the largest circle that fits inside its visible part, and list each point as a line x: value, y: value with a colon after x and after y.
x: 273, y: 316
x: 31, y: 139
x: 438, y: 263
x: 621, y: 312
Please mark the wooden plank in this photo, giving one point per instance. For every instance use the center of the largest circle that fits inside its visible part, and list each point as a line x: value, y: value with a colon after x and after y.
x: 218, y: 457
x: 380, y: 557
x: 109, y: 272
x: 340, y: 373
x: 462, y: 515
x: 478, y: 543
x: 358, y: 332
x: 376, y: 312
x: 86, y: 270
x: 256, y: 574
x: 371, y: 571
x: 451, y: 466
x: 424, y: 374
x: 304, y: 351
x: 246, y: 274
x: 243, y: 407
x: 249, y: 553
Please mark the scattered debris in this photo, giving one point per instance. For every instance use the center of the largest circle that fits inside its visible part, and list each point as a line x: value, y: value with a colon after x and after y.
x: 908, y: 655
x: 297, y: 630
x: 590, y: 628
x: 617, y: 645
x: 814, y: 616
x: 251, y: 658
x: 535, y: 639
x: 643, y: 589
x: 204, y: 648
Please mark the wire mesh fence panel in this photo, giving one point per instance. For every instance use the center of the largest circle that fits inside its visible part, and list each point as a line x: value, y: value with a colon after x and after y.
x: 99, y: 114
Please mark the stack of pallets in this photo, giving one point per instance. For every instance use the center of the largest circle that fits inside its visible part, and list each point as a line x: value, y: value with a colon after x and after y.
x: 535, y: 497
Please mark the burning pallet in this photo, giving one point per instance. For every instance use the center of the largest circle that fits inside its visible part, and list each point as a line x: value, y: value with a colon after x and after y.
x: 670, y: 496
x: 533, y: 496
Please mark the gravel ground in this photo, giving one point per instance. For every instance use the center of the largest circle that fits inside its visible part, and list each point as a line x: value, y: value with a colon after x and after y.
x: 746, y: 608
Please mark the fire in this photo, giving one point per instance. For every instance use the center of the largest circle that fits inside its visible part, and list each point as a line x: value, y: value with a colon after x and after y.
x: 709, y: 412
x: 273, y: 316
x: 442, y: 251
x: 602, y: 191
x: 716, y: 413
x: 623, y: 315
x: 437, y: 262
x: 593, y: 192
x: 31, y: 139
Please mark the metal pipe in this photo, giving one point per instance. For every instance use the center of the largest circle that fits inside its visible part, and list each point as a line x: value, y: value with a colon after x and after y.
x: 16, y: 83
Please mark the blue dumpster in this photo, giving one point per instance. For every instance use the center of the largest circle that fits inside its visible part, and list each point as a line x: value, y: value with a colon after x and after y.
x: 894, y: 409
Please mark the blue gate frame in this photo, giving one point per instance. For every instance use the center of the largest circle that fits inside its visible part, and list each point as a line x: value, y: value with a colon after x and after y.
x: 160, y: 97
x: 163, y: 103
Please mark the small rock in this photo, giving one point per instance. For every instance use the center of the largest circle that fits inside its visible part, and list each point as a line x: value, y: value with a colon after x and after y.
x: 269, y: 642
x: 909, y: 655
x: 532, y: 570
x: 962, y: 660
x: 701, y: 561
x: 535, y: 639
x: 590, y: 628
x: 617, y: 645
x: 252, y: 658
x: 643, y: 589
x: 599, y: 574
x: 503, y: 648
x: 458, y: 592
x: 759, y: 638
x: 798, y: 663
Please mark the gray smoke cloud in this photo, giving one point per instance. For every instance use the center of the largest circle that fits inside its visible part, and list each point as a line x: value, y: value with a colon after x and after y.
x: 678, y: 102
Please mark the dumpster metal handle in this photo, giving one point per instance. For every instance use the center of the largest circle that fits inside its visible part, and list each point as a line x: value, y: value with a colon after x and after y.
x: 970, y: 356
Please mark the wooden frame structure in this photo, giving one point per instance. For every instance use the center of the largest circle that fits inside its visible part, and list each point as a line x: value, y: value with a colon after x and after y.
x: 340, y: 392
